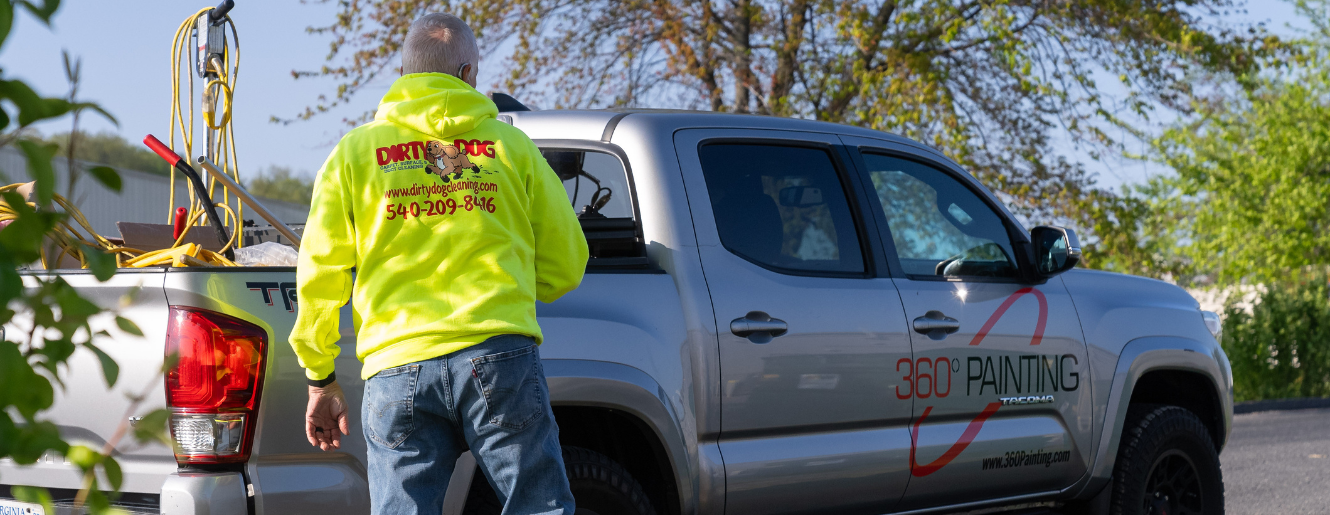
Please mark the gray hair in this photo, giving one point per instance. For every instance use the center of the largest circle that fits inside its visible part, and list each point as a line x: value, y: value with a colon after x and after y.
x: 439, y: 43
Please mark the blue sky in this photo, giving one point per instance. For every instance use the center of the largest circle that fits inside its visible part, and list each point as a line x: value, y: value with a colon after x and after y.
x: 125, y: 48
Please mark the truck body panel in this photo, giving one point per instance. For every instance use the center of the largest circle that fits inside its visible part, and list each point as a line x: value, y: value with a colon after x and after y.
x: 853, y: 408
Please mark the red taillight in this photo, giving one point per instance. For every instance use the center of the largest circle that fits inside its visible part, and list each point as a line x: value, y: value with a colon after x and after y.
x: 213, y: 390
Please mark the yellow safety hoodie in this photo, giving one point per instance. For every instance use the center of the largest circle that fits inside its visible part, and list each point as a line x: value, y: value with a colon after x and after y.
x: 452, y: 222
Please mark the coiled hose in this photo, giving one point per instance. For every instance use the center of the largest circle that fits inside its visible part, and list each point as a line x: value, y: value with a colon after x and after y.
x: 72, y: 242
x: 223, y: 89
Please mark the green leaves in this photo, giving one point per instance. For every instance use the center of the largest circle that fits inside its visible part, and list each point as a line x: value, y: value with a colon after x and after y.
x: 128, y: 326
x: 1007, y: 89
x: 43, y: 12
x: 113, y: 474
x: 6, y: 23
x: 1280, y: 346
x: 39, y: 167
x: 32, y: 107
x: 88, y: 460
x: 74, y: 309
x: 33, y: 439
x: 110, y: 370
x: 31, y: 361
x: 34, y: 495
x: 83, y: 456
x: 1253, y: 176
x: 21, y: 387
x: 107, y: 176
x: 152, y: 428
x: 101, y: 263
x: 22, y: 239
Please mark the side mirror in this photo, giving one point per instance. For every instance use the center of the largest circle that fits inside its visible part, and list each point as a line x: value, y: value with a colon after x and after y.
x: 1056, y: 250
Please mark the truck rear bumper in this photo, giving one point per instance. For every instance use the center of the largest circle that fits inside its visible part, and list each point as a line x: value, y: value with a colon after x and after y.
x: 204, y: 493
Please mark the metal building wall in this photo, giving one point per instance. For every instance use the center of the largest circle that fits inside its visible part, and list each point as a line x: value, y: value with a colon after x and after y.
x: 144, y: 197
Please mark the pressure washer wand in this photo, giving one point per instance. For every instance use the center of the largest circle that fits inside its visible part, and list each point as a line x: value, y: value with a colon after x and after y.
x: 200, y: 190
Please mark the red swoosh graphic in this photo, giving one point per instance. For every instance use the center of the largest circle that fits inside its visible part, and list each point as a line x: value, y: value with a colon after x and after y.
x: 972, y: 430
x: 1002, y: 310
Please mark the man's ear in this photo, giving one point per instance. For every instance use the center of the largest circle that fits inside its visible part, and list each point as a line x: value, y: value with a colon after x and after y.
x: 469, y: 74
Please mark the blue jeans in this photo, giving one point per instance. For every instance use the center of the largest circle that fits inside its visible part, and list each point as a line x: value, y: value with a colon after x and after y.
x: 490, y: 398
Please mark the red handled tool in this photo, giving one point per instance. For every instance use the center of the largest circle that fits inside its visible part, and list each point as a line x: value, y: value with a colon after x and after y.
x: 180, y: 220
x: 200, y: 190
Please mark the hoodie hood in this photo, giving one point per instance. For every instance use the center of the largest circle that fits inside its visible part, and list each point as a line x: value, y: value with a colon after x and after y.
x: 436, y: 104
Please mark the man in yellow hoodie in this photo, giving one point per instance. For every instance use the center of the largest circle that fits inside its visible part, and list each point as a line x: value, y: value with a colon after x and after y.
x: 454, y: 226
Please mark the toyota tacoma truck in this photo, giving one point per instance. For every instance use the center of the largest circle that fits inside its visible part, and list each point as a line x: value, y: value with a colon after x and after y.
x: 779, y: 316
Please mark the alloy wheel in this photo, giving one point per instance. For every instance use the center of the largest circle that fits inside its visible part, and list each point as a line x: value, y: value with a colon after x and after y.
x: 1174, y: 486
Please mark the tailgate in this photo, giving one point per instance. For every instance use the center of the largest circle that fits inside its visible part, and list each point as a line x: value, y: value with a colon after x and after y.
x: 283, y: 469
x: 85, y: 410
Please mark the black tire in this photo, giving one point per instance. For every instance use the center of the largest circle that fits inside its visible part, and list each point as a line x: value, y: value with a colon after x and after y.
x: 600, y: 487
x: 1166, y: 463
x: 603, y: 487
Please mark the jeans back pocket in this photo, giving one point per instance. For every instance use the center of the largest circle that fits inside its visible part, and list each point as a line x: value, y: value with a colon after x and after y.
x: 510, y: 383
x: 389, y: 403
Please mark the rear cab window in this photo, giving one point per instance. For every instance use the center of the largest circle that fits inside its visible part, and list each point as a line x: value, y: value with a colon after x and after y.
x: 599, y: 187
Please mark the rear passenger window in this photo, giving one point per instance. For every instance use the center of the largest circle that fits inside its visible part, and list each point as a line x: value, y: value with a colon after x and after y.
x: 781, y: 207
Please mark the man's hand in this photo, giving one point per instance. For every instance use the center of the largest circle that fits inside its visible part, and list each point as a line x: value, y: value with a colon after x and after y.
x: 325, y: 417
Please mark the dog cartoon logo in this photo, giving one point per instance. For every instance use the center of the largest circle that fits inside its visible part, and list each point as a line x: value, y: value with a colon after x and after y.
x: 447, y: 160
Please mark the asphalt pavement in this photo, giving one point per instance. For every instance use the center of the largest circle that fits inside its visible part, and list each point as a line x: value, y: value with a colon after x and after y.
x: 1278, y: 462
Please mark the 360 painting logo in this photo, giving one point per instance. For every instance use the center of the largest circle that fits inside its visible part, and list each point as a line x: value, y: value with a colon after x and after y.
x: 1035, y: 373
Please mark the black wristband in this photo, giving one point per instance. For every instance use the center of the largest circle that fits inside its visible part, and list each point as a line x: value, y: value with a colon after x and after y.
x: 320, y: 383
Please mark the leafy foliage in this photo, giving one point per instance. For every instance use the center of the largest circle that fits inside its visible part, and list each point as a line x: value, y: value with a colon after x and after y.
x: 110, y: 149
x: 279, y: 183
x: 1247, y: 202
x: 1255, y: 180
x: 1282, y: 348
x: 46, y: 319
x: 994, y: 85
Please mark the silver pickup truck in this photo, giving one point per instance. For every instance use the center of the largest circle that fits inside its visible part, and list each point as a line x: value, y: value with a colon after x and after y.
x: 780, y: 316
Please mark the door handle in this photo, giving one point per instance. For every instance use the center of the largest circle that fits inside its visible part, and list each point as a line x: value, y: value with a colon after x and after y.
x: 758, y: 327
x: 936, y: 325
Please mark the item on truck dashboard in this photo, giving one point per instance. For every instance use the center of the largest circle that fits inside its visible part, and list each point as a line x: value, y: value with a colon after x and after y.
x: 249, y: 200
x: 267, y: 254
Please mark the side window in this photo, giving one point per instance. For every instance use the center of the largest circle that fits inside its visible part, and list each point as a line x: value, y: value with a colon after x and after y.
x: 939, y: 226
x: 782, y: 207
x: 596, y: 182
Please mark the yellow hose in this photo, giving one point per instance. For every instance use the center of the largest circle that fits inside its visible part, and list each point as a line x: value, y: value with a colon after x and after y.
x: 70, y: 242
x: 223, y: 93
x: 68, y: 238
